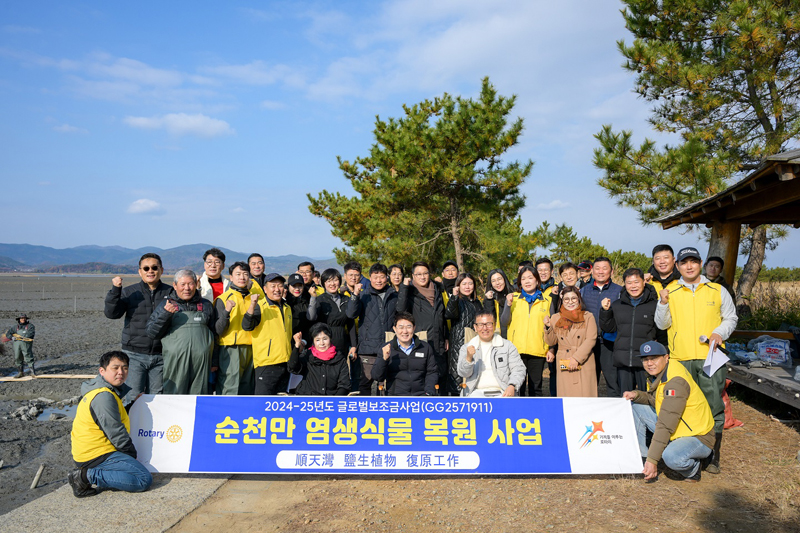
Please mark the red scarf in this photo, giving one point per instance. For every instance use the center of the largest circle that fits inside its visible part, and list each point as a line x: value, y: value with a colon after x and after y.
x: 327, y: 355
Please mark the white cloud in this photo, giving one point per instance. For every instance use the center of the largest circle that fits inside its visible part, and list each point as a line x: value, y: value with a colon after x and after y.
x: 257, y: 73
x: 555, y: 204
x: 66, y: 128
x: 237, y: 210
x: 272, y: 105
x: 145, y: 206
x: 20, y: 29
x: 179, y: 124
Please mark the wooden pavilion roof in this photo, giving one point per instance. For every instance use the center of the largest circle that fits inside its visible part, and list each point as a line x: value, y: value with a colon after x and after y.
x: 768, y: 195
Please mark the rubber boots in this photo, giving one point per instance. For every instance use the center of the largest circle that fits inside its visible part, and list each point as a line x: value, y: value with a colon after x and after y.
x: 21, y: 372
x: 713, y: 467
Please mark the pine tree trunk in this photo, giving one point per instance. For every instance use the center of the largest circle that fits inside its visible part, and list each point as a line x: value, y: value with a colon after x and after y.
x: 750, y: 271
x: 456, y: 235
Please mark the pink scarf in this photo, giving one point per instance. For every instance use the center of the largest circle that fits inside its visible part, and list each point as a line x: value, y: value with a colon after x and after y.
x: 327, y: 355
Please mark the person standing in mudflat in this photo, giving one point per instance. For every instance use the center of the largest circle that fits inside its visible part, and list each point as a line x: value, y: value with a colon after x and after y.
x: 22, y: 335
x: 136, y: 303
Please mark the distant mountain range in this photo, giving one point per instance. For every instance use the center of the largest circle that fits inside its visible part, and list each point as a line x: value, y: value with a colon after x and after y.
x: 92, y: 259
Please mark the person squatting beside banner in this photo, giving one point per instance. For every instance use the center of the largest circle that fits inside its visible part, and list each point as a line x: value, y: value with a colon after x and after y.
x: 401, y: 435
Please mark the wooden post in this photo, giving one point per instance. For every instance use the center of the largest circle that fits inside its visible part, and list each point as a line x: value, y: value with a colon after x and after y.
x: 725, y: 244
x: 37, y: 477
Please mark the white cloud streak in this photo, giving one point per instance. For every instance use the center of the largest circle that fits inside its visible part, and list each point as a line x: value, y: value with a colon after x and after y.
x: 145, y: 206
x: 180, y: 124
x: 66, y: 128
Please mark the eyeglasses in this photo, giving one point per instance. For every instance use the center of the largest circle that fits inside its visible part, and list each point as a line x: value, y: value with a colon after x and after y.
x: 569, y: 299
x: 484, y: 324
x: 148, y: 268
x: 213, y: 262
x: 404, y: 327
x: 421, y: 274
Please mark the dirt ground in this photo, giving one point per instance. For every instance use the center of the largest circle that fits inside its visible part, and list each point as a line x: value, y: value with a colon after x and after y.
x: 758, y: 489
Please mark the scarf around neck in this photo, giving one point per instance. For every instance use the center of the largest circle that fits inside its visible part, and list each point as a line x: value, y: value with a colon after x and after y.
x: 530, y: 298
x: 327, y: 355
x: 570, y: 318
x: 428, y: 292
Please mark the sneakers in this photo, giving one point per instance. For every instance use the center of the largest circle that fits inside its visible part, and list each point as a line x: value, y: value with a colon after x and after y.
x: 693, y: 479
x: 80, y: 488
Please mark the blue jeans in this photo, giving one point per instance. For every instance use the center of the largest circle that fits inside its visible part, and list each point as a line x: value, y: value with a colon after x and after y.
x: 683, y: 455
x: 122, y: 472
x: 145, y: 374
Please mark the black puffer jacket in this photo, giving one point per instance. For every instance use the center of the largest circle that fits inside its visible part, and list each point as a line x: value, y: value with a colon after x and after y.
x: 136, y: 303
x: 408, y: 375
x: 634, y: 326
x: 320, y: 378
x: 300, y: 321
x: 461, y: 313
x: 375, y: 317
x: 343, y: 334
x: 429, y: 318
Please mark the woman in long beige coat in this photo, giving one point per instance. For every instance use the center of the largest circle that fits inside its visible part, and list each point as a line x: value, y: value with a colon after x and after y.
x: 575, y: 331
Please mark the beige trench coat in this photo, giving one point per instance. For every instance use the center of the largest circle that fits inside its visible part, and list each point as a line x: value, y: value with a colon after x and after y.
x: 578, y: 343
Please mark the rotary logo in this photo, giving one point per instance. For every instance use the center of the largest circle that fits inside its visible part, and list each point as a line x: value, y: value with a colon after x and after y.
x: 174, y: 433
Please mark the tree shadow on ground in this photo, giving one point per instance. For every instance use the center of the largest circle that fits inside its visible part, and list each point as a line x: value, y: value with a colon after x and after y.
x: 734, y: 512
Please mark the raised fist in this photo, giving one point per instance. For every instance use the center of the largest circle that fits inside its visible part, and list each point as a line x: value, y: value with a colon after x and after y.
x: 664, y: 295
x: 509, y: 299
x: 116, y: 281
x: 298, y: 339
x: 470, y: 353
x: 254, y: 298
x: 312, y: 291
x: 546, y: 321
x: 648, y: 277
x: 171, y: 306
x: 357, y: 289
x: 406, y: 281
x: 386, y: 350
x: 489, y: 295
x: 606, y: 304
x: 455, y: 290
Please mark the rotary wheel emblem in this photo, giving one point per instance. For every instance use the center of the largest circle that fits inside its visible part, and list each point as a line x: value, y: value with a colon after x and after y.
x: 174, y: 433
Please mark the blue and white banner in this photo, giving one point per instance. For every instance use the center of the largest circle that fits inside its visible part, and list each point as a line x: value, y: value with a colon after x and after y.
x: 378, y: 435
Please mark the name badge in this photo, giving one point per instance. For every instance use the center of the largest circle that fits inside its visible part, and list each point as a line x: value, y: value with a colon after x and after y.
x: 419, y: 354
x: 198, y: 318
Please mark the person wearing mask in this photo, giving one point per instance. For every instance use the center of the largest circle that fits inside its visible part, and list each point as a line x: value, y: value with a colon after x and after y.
x: 330, y: 309
x: 498, y: 288
x: 663, y: 274
x: 407, y: 364
x: 374, y: 308
x: 524, y: 316
x: 460, y: 311
x: 301, y: 297
x: 489, y: 364
x: 632, y: 318
x: 211, y: 284
x: 449, y: 275
x: 233, y: 359
x: 698, y: 308
x: 396, y: 276
x: 574, y: 331
x: 323, y: 367
x: 271, y: 327
x: 184, y: 323
x: 136, y: 303
x: 424, y: 299
x: 602, y: 287
x: 714, y: 266
x: 585, y: 273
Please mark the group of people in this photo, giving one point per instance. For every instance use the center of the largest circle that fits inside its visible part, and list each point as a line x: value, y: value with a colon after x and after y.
x: 389, y: 333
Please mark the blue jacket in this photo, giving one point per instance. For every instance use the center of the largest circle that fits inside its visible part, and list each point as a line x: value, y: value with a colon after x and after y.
x: 592, y: 296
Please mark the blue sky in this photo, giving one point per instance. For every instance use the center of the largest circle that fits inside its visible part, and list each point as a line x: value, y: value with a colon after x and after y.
x: 169, y: 123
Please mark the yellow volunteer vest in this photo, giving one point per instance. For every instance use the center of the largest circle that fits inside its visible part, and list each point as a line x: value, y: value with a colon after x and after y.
x: 235, y: 334
x: 672, y: 285
x: 696, y: 418
x: 272, y: 338
x: 526, y: 329
x: 88, y: 440
x: 257, y: 289
x: 693, y: 314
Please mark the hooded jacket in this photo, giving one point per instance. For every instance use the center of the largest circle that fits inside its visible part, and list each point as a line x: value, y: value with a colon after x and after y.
x: 101, y: 426
x: 320, y: 378
x: 375, y: 317
x: 634, y: 326
x: 136, y: 303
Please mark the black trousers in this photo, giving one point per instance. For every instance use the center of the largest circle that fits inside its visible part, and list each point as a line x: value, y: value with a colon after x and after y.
x: 631, y: 378
x: 604, y: 356
x: 535, y: 368
x: 271, y: 379
x: 365, y: 385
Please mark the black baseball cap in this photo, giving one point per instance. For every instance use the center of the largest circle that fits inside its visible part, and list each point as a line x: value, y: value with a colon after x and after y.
x: 688, y: 252
x: 449, y: 263
x: 652, y: 348
x: 296, y: 279
x: 585, y: 265
x: 272, y: 276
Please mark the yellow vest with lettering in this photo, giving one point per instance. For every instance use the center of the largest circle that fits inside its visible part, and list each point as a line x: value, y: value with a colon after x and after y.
x: 693, y: 314
x: 235, y: 334
x: 88, y: 440
x: 696, y: 418
x: 659, y: 287
x: 526, y: 329
x: 272, y: 338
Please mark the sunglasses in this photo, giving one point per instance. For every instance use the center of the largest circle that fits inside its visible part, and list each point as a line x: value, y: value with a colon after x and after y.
x: 148, y: 268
